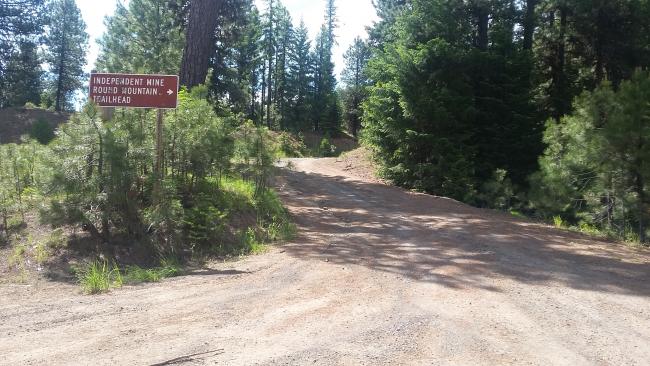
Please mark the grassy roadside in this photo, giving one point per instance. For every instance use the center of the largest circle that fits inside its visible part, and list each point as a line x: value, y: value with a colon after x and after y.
x: 248, y: 222
x: 251, y: 222
x: 100, y: 276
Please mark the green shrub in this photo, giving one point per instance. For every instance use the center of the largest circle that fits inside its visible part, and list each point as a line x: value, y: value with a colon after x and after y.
x: 630, y: 235
x: 17, y: 257
x: 497, y: 193
x: 98, y: 175
x: 170, y: 267
x: 42, y: 253
x: 134, y: 275
x: 98, y: 277
x: 42, y: 132
x: 290, y: 146
x: 239, y: 194
x: 22, y: 172
x: 280, y: 228
x: 273, y: 217
x: 326, y: 148
x: 205, y: 223
x: 590, y: 229
x: 104, y: 179
x: 595, y: 166
x: 18, y: 261
x: 56, y: 239
x: 517, y: 214
x: 249, y: 243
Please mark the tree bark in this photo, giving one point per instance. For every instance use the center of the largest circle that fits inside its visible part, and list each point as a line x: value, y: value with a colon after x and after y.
x: 561, y: 101
x: 562, y: 42
x: 482, y: 24
x: 253, y: 96
x: 270, y: 55
x: 600, y: 35
x: 61, y: 72
x: 529, y: 24
x: 269, y: 93
x: 639, y: 183
x: 5, y: 224
x: 640, y: 191
x: 199, y: 45
x: 263, y: 99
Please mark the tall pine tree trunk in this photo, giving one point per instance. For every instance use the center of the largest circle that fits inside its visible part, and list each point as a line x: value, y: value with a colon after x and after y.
x: 270, y: 56
x: 269, y: 93
x: 529, y: 24
x: 263, y: 100
x: 600, y: 62
x: 61, y: 72
x: 561, y: 101
x: 253, y: 96
x: 639, y: 187
x: 199, y: 44
x: 482, y: 20
x: 640, y: 191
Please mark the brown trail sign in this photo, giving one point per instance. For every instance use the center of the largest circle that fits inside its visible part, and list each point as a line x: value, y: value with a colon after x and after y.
x: 134, y: 91
x: 139, y: 91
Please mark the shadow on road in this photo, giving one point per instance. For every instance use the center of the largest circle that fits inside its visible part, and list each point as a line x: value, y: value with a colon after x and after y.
x: 438, y: 240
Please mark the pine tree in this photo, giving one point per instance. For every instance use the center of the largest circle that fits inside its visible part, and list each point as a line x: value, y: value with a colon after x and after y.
x: 583, y: 42
x: 300, y: 79
x: 628, y: 135
x: 23, y: 81
x: 388, y: 11
x: 507, y: 131
x: 331, y: 21
x: 451, y: 101
x: 248, y: 60
x: 269, y: 41
x: 608, y: 31
x: 356, y: 83
x: 141, y: 39
x: 529, y: 24
x: 201, y: 24
x: 284, y: 35
x: 326, y: 113
x: 236, y: 56
x: 20, y: 21
x: 66, y: 44
x: 320, y: 58
x: 596, y: 167
x: 556, y: 54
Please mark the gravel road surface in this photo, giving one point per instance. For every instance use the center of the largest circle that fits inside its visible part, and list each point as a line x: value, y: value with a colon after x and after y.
x: 377, y: 276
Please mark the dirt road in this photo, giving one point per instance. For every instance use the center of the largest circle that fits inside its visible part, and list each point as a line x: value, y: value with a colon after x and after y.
x: 378, y: 276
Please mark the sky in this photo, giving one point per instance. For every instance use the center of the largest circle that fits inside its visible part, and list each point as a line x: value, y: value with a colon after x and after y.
x: 354, y: 16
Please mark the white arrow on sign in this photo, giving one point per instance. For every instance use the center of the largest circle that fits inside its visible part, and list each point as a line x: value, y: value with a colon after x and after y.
x: 170, y: 92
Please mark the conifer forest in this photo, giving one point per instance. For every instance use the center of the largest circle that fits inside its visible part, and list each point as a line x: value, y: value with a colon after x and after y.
x: 331, y: 182
x: 539, y: 107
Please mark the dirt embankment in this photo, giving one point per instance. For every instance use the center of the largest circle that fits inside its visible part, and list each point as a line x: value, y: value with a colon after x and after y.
x: 16, y: 122
x: 377, y: 276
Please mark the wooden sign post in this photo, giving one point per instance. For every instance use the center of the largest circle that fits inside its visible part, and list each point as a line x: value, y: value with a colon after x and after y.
x: 139, y: 91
